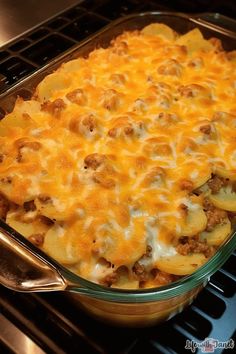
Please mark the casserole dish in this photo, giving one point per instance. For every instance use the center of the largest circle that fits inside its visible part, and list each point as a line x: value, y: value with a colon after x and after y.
x: 141, y: 307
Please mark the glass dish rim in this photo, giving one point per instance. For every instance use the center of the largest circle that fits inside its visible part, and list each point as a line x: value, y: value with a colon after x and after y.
x: 173, y: 289
x: 195, y: 18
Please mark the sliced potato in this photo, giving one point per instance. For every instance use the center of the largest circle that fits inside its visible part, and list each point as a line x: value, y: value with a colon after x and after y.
x: 72, y: 66
x: 58, y: 244
x: 47, y: 208
x: 204, y: 189
x: 196, y: 222
x: 218, y: 235
x: 126, y: 284
x: 23, y: 228
x: 51, y: 84
x: 196, y: 173
x: 52, y: 211
x: 19, y: 117
x: 225, y: 199
x: 181, y: 265
x: 159, y: 29
x: 26, y: 229
x: 222, y: 172
x: 6, y: 189
x: 194, y: 41
x: 203, y: 176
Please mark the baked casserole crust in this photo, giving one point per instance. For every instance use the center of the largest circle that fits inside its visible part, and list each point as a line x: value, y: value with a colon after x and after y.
x: 122, y: 166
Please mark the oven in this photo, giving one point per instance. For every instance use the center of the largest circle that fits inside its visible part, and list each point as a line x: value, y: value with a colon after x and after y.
x: 50, y: 323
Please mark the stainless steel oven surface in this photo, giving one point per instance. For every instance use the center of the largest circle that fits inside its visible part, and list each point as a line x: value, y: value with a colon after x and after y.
x: 50, y: 323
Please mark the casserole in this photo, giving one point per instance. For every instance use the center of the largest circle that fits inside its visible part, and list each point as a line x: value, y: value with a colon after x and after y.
x: 147, y: 313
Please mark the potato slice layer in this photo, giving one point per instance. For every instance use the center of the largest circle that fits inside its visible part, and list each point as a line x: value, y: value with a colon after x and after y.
x: 222, y: 172
x: 218, y: 235
x: 225, y: 199
x: 194, y: 41
x: 59, y: 246
x: 159, y: 29
x: 196, y: 222
x: 181, y: 265
x: 26, y: 229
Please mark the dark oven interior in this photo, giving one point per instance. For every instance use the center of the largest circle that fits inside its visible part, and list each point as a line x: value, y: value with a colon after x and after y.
x: 50, y: 320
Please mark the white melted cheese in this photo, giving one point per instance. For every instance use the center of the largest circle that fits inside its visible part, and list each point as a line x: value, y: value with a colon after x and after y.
x: 159, y: 249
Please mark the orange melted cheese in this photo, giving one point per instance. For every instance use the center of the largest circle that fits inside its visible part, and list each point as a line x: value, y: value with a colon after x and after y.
x: 107, y: 141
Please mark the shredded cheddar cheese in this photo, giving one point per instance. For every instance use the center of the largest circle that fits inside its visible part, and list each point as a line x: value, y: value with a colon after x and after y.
x: 111, y: 149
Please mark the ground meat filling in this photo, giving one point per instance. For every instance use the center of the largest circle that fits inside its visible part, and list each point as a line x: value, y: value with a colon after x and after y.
x: 189, y: 245
x: 94, y: 161
x: 205, y: 129
x: 55, y: 108
x: 216, y: 183
x: 186, y: 184
x: 214, y: 215
x: 139, y: 269
x: 29, y: 206
x: 148, y: 251
x: 37, y: 239
x: 110, y: 279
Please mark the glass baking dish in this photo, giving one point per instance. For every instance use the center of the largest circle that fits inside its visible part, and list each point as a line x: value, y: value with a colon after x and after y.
x: 23, y: 267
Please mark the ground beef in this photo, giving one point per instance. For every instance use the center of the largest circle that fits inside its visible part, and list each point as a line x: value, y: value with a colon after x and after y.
x: 37, y: 239
x: 77, y: 96
x: 183, y: 209
x: 205, y: 129
x: 207, y: 205
x: 110, y: 279
x: 112, y: 132
x: 24, y: 143
x: 29, y: 206
x: 89, y: 121
x: 140, y: 271
x: 55, y: 108
x: 103, y: 180
x: 186, y: 184
x: 214, y: 215
x: 193, y: 245
x: 216, y: 183
x: 110, y: 99
x: 95, y: 160
x: 148, y: 251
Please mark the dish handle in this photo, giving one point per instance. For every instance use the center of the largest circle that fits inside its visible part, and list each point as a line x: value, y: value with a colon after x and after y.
x: 23, y: 270
x: 221, y: 23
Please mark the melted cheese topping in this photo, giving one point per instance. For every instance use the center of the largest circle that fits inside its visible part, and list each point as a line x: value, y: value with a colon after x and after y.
x: 107, y: 144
